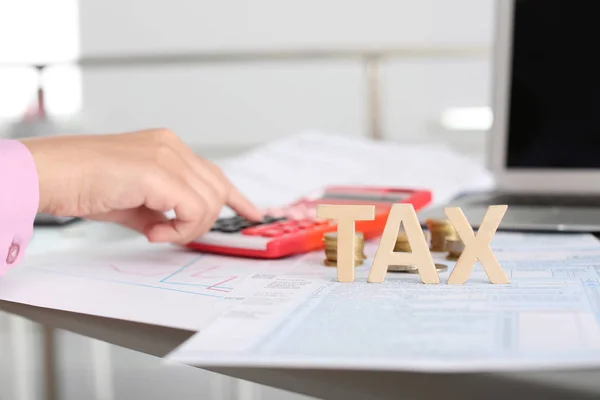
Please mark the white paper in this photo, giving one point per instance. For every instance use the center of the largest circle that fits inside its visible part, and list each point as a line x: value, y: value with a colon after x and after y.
x: 165, y: 285
x: 546, y: 317
x: 280, y: 172
x: 138, y: 281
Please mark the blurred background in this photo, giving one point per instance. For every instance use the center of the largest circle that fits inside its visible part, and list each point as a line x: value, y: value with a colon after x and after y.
x: 225, y: 76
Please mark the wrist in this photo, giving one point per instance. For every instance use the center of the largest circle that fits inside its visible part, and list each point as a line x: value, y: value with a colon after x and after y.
x: 19, y: 180
x: 37, y: 161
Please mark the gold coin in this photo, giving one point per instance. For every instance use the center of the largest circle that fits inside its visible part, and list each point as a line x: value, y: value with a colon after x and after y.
x: 400, y: 249
x: 401, y: 268
x: 455, y: 245
x: 432, y: 222
x: 334, y: 251
x: 357, y: 258
x: 439, y: 229
x: 414, y: 270
x: 438, y: 241
x: 333, y: 242
x: 332, y: 254
x: 332, y: 236
x: 357, y: 248
x: 403, y: 237
x: 330, y: 244
x: 330, y: 263
x: 402, y: 243
x: 441, y: 267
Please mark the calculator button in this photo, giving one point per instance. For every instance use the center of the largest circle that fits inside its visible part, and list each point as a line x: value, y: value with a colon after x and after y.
x: 238, y: 223
x: 267, y: 223
x: 247, y: 224
x: 230, y: 229
x: 305, y: 223
x: 272, y: 233
x: 270, y: 219
x: 277, y: 225
x: 289, y: 229
x: 256, y: 230
x: 250, y: 232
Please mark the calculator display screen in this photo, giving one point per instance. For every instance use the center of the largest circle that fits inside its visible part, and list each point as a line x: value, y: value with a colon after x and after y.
x: 386, y: 197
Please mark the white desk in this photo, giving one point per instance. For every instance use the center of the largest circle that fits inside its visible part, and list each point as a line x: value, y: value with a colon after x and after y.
x: 345, y: 385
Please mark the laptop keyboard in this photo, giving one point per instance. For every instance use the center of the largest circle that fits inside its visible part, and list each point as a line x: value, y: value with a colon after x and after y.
x: 545, y: 200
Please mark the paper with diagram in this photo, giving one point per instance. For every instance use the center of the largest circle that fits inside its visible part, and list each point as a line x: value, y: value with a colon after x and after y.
x: 138, y: 281
x: 169, y: 286
x: 546, y: 317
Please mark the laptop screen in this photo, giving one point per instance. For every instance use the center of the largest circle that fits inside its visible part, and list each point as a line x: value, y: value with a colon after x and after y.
x: 554, y: 113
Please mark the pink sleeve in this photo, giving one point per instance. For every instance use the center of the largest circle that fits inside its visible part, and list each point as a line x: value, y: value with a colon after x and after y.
x: 19, y: 199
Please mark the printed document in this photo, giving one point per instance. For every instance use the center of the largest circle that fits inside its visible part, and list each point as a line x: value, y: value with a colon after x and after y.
x: 280, y: 172
x: 169, y: 286
x: 546, y: 317
x: 137, y: 281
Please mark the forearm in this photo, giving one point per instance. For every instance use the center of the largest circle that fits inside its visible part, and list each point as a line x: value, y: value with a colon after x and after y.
x: 19, y: 199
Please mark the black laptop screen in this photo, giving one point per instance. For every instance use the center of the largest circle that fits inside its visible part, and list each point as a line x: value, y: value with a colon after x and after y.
x: 554, y: 113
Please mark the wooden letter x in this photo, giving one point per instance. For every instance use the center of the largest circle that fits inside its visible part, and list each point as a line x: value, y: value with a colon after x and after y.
x: 477, y: 247
x: 346, y: 235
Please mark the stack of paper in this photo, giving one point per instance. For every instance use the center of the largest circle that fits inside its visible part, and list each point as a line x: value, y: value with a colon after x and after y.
x: 137, y: 281
x: 547, y: 317
x: 280, y: 172
x: 293, y: 313
x: 169, y: 286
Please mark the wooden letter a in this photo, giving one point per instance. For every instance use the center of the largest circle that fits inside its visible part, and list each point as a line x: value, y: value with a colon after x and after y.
x: 420, y: 256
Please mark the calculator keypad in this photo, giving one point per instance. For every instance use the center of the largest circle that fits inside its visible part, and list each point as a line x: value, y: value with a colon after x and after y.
x: 272, y: 226
x: 283, y: 228
x: 238, y: 223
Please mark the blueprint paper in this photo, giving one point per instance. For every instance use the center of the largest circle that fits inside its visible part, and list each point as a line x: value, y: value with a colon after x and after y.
x: 166, y: 285
x: 138, y: 281
x: 546, y: 317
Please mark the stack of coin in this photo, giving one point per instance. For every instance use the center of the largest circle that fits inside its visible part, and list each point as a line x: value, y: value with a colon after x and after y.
x: 412, y: 269
x: 455, y: 247
x: 402, y: 244
x: 440, y: 230
x: 330, y: 242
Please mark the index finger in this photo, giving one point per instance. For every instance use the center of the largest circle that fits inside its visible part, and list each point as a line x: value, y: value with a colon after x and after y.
x: 242, y: 206
x: 236, y: 200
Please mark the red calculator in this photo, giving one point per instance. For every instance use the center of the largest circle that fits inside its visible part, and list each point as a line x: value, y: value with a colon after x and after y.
x: 295, y: 228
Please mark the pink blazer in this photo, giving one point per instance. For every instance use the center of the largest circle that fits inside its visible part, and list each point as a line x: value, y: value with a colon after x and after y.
x: 19, y: 199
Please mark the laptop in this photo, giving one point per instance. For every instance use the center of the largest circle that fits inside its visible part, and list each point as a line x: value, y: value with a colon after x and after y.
x: 544, y: 146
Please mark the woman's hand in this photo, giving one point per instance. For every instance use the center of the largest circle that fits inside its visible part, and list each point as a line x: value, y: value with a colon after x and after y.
x: 132, y: 179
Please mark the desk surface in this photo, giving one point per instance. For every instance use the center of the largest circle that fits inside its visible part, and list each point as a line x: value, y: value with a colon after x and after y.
x: 158, y: 341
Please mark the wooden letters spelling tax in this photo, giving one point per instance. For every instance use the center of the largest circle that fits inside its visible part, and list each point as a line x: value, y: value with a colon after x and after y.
x: 477, y: 246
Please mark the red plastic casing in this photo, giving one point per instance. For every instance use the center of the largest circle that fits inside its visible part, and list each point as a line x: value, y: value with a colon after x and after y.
x: 299, y: 239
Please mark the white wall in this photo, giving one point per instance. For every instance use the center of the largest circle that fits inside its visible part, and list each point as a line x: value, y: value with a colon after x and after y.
x: 238, y: 104
x: 167, y: 25
x: 212, y: 105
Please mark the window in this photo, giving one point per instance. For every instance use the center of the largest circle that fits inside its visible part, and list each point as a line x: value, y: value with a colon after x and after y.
x: 39, y: 32
x: 467, y: 118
